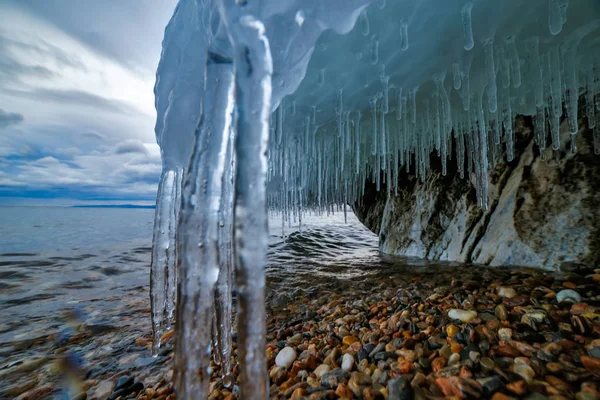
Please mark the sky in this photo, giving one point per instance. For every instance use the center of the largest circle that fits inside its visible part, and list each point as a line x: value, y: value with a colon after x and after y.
x: 76, y: 100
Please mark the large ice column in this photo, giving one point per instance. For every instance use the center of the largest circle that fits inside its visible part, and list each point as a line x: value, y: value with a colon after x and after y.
x: 198, y: 232
x: 178, y: 95
x: 254, y: 69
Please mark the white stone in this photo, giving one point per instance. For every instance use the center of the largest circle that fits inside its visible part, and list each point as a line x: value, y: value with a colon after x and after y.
x: 462, y: 315
x: 286, y: 357
x: 347, y: 362
x: 322, y: 370
x: 568, y: 295
x: 506, y: 292
x: 505, y: 333
x: 454, y: 359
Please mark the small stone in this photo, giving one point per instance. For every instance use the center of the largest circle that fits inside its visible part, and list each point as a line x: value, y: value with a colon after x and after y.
x: 123, y: 382
x: 549, y: 352
x: 505, y: 334
x: 399, y: 389
x: 344, y: 391
x: 490, y: 385
x: 586, y: 396
x: 347, y: 362
x: 590, y: 363
x: 506, y: 292
x: 348, y: 340
x: 518, y: 387
x: 487, y: 363
x: 103, y: 390
x: 525, y: 371
x: 500, y: 312
x: 593, y: 348
x: 322, y: 370
x: 286, y: 357
x: 568, y: 295
x: 516, y: 301
x: 452, y: 330
x: 454, y: 359
x: 438, y: 364
x: 462, y: 315
x: 296, y: 339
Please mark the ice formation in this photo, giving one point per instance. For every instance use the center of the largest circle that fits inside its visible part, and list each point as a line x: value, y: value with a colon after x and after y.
x: 291, y: 96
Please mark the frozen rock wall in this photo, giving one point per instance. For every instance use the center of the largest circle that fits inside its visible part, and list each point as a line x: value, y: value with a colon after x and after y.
x: 542, y: 213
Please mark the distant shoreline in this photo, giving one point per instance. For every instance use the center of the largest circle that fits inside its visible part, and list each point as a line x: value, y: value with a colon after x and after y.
x: 112, y: 206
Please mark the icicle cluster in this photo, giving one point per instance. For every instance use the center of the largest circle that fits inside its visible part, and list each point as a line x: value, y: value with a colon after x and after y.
x: 319, y: 165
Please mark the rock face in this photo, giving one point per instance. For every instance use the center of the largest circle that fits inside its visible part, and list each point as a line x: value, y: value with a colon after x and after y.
x: 542, y: 213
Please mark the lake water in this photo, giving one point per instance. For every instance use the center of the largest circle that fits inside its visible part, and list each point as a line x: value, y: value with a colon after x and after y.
x: 57, y: 260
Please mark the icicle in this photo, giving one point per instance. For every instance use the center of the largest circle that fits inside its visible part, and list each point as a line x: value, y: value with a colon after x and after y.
x: 357, y: 144
x: 508, y: 125
x: 364, y: 23
x: 466, y: 82
x: 198, y: 233
x: 504, y: 67
x: 373, y: 104
x: 540, y: 127
x: 412, y: 94
x: 404, y: 35
x: 554, y: 17
x: 279, y: 123
x: 555, y: 97
x: 223, y: 298
x: 439, y: 82
x: 571, y: 88
x: 563, y: 11
x: 398, y: 104
x: 172, y: 267
x: 383, y: 146
x: 491, y: 75
x: 163, y: 254
x: 466, y: 24
x: 534, y: 48
x: 385, y: 105
x: 321, y: 80
x: 589, y: 100
x: 515, y: 63
x: 456, y: 71
x: 374, y: 50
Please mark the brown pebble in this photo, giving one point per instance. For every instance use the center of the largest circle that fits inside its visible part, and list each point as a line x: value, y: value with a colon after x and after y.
x: 590, y: 363
x: 519, y: 387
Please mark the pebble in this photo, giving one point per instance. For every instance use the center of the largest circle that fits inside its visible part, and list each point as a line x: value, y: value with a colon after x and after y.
x: 286, y: 357
x: 347, y: 362
x: 500, y: 312
x: 525, y: 371
x: 506, y: 292
x: 505, y: 334
x: 462, y: 315
x: 568, y: 295
x: 322, y: 370
x: 454, y: 359
x: 399, y: 389
x: 103, y: 390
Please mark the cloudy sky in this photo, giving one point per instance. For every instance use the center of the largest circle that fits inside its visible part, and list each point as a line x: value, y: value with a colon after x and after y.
x: 76, y: 100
